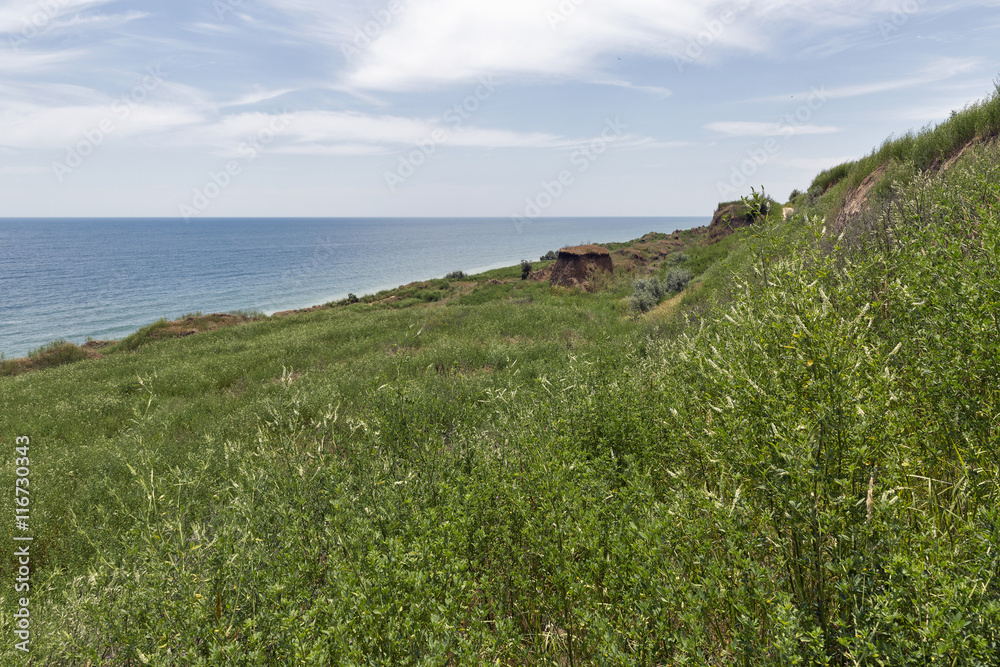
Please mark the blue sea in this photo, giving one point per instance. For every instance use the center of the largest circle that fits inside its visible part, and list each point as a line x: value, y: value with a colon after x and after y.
x: 76, y: 279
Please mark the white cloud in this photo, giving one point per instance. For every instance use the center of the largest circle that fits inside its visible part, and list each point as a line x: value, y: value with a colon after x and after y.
x: 658, y: 91
x: 21, y: 61
x: 940, y: 70
x: 27, y: 18
x: 435, y: 43
x: 61, y: 128
x: 22, y: 21
x: 257, y: 96
x: 755, y: 129
x: 99, y: 20
x: 355, y: 133
x: 39, y: 116
x: 441, y: 42
x: 50, y: 115
x: 332, y: 23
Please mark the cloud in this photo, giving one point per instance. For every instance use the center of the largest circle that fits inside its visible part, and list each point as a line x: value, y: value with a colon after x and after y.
x: 356, y: 133
x: 409, y: 45
x: 24, y: 21
x: 434, y: 43
x: 257, y: 96
x: 43, y: 128
x: 19, y: 61
x: 175, y: 116
x: 45, y: 116
x: 99, y: 20
x: 940, y: 70
x: 755, y: 129
x: 658, y: 91
x: 30, y: 17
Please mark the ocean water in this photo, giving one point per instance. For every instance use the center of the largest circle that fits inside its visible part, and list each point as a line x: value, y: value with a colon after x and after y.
x: 75, y: 279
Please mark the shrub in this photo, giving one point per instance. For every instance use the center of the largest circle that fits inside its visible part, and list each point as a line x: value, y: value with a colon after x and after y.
x: 455, y: 275
x: 676, y: 280
x: 649, y: 292
x: 550, y: 255
x: 352, y: 298
x: 525, y: 269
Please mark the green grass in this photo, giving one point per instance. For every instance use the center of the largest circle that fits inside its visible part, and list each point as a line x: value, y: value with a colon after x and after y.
x: 917, y: 151
x: 56, y: 353
x: 828, y: 178
x: 799, y: 468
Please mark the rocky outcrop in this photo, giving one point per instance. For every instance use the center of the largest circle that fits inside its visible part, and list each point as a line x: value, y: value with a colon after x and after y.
x: 575, y: 265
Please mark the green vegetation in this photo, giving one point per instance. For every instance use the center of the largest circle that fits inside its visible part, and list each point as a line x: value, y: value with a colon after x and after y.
x: 651, y: 291
x: 798, y: 467
x: 755, y: 208
x: 911, y: 153
x: 54, y: 354
x: 826, y: 179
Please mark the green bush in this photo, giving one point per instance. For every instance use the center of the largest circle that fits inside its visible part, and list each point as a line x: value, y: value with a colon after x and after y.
x: 651, y: 291
x: 676, y: 280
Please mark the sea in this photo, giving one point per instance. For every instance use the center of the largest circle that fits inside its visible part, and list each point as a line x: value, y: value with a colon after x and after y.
x: 103, y: 278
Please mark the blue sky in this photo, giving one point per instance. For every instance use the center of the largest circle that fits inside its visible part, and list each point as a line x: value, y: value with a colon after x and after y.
x: 462, y: 107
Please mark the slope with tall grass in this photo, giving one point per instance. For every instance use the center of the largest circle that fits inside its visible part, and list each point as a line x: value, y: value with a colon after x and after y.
x: 913, y: 152
x: 800, y: 468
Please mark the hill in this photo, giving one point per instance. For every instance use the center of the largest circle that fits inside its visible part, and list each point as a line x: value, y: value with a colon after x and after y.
x: 793, y: 461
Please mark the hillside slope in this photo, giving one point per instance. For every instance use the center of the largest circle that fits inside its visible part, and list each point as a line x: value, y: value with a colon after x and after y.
x: 794, y: 463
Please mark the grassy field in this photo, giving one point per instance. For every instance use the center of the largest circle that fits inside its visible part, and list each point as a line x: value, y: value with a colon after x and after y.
x: 793, y: 462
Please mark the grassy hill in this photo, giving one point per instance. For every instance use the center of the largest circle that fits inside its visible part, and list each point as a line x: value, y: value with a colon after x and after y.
x: 794, y: 461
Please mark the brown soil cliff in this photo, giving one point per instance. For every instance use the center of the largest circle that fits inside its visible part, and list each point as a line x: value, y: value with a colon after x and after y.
x: 574, y: 265
x: 727, y: 219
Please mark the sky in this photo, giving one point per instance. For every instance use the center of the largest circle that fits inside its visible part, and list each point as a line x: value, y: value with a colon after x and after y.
x: 434, y: 108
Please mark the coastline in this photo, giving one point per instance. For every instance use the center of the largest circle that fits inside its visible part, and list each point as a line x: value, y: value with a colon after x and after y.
x: 187, y: 319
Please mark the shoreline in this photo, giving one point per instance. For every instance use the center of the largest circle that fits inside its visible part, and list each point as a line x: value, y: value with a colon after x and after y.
x: 77, y: 281
x: 188, y: 323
